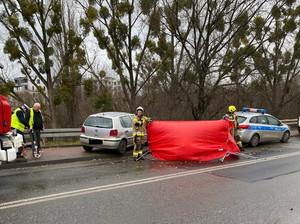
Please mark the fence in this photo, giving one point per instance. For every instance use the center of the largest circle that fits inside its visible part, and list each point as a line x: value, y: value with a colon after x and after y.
x: 75, y: 132
x: 58, y: 133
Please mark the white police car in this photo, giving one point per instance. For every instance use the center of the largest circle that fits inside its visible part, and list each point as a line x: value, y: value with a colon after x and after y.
x: 257, y: 126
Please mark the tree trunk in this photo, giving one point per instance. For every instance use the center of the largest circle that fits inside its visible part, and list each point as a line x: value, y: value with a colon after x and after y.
x: 52, y: 107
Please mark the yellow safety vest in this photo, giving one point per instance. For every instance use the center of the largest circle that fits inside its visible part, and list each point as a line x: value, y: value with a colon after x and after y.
x: 31, y: 117
x: 15, y: 122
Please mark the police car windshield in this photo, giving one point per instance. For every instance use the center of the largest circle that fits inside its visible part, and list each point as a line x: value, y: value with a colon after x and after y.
x: 241, y: 119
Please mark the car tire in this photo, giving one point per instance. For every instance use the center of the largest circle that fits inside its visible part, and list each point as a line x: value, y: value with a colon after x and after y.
x: 254, y: 140
x: 122, y: 147
x: 285, y: 137
x: 88, y: 148
x: 299, y: 130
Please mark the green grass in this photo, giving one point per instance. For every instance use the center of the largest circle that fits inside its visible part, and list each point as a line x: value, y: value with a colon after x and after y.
x: 60, y: 143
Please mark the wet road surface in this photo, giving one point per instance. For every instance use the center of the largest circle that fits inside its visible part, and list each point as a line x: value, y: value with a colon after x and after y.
x: 118, y: 190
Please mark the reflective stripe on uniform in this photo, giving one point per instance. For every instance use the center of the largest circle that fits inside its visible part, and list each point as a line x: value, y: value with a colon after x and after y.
x: 138, y: 133
x: 135, y: 154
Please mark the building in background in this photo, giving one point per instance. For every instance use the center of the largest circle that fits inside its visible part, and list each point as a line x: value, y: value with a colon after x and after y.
x: 23, y: 84
x: 112, y: 83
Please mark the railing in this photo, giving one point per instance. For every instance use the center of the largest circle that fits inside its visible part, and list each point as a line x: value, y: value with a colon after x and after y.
x: 290, y: 121
x: 75, y: 132
x: 59, y: 132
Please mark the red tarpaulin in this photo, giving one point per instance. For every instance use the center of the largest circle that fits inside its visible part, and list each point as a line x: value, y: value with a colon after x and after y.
x: 190, y: 140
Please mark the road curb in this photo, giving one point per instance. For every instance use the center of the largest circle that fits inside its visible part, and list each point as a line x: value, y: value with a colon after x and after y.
x: 21, y: 164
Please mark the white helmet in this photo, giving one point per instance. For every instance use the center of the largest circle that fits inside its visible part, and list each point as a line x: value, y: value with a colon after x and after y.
x: 140, y: 108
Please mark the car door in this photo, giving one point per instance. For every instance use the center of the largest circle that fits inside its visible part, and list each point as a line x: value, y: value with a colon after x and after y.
x: 263, y: 127
x: 126, y: 123
x: 275, y: 128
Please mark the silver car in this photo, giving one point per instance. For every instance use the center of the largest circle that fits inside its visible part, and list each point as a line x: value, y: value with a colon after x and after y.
x: 256, y: 127
x: 109, y: 130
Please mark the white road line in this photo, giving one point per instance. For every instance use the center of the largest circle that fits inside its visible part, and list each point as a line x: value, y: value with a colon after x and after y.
x: 74, y: 193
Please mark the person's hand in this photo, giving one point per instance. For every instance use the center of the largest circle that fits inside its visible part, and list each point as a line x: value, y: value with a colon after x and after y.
x: 150, y: 121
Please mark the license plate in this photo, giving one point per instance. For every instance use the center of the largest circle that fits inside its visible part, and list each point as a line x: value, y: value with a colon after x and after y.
x: 95, y: 141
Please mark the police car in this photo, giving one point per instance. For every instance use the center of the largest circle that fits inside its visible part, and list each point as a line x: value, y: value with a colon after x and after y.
x: 257, y: 126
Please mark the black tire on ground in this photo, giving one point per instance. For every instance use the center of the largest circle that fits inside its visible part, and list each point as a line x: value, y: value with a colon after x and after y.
x: 88, y: 148
x: 285, y: 137
x: 254, y: 140
x: 299, y: 130
x: 122, y: 147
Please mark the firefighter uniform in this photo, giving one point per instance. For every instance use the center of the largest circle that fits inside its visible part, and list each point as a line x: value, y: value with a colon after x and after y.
x: 139, y: 128
x: 234, y: 131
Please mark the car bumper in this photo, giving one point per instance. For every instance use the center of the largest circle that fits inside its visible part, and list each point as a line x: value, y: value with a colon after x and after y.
x: 245, y: 135
x: 99, y: 142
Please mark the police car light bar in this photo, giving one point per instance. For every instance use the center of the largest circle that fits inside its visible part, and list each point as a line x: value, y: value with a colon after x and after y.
x: 245, y: 109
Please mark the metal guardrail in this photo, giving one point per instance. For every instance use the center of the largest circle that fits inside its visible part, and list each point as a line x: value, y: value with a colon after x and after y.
x: 290, y: 121
x: 59, y: 132
x: 75, y: 132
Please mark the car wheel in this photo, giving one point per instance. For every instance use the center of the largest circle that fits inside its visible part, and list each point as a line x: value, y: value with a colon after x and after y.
x: 88, y: 148
x: 254, y: 140
x: 122, y: 147
x: 299, y: 130
x: 286, y: 136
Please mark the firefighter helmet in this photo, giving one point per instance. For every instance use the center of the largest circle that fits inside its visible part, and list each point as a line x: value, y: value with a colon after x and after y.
x: 140, y: 108
x: 231, y: 109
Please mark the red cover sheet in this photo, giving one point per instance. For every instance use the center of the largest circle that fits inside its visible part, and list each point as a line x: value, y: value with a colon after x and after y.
x: 190, y: 140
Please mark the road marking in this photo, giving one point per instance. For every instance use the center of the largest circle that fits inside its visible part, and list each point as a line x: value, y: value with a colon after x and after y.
x: 74, y: 193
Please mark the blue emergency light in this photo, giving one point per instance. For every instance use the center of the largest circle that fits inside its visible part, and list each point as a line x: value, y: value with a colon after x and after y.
x: 245, y: 109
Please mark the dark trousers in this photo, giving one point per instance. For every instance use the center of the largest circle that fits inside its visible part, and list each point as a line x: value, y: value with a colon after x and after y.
x: 35, y: 136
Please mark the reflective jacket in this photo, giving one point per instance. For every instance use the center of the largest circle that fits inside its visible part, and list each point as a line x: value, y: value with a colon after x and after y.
x: 16, y: 122
x: 35, y: 119
x: 139, y: 125
x: 233, y: 118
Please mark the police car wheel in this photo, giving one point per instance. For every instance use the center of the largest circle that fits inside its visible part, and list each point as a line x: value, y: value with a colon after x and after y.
x: 285, y: 137
x: 254, y: 140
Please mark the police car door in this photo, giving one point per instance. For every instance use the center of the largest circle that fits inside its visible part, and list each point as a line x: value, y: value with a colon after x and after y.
x: 263, y: 128
x: 275, y: 128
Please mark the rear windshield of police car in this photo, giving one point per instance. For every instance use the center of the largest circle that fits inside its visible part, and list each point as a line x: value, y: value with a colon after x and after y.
x: 99, y: 122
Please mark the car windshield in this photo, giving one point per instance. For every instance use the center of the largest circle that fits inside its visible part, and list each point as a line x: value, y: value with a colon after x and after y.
x: 242, y: 119
x: 100, y: 122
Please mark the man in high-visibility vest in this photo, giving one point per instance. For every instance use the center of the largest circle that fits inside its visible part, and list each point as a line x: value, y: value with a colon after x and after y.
x: 232, y: 117
x: 139, y: 128
x: 36, y: 124
x: 19, y: 123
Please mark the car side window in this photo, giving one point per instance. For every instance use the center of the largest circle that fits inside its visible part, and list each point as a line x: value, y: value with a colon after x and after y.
x: 273, y: 121
x: 253, y: 120
x: 262, y: 120
x: 126, y: 122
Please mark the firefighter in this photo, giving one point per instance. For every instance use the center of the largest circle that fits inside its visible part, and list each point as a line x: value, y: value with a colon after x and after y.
x: 139, y: 127
x: 19, y: 122
x: 231, y: 116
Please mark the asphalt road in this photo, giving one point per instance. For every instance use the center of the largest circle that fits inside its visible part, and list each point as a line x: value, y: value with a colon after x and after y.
x: 265, y: 190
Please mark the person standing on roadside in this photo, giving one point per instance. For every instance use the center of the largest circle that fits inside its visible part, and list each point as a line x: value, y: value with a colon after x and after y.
x: 36, y: 124
x: 19, y: 123
x: 139, y: 129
